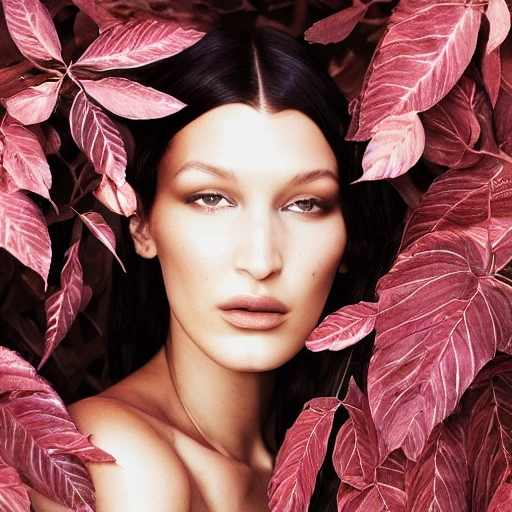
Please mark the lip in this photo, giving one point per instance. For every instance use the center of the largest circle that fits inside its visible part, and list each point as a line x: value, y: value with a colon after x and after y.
x: 254, y: 313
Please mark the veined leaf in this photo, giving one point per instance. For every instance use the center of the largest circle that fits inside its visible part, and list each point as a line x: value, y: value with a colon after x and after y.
x: 424, y: 52
x: 338, y: 26
x: 102, y: 231
x: 343, y: 328
x: 62, y: 307
x: 440, y: 478
x: 97, y: 136
x: 25, y: 161
x: 136, y: 43
x: 31, y: 28
x: 121, y: 200
x: 35, y: 104
x: 13, y: 492
x: 21, y: 376
x: 23, y: 232
x: 442, y: 317
x: 397, y: 144
x: 130, y: 99
x: 301, y: 456
x: 502, y: 499
x: 46, y: 449
x: 452, y: 128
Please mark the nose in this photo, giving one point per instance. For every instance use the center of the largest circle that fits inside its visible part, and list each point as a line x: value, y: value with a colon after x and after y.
x: 258, y: 247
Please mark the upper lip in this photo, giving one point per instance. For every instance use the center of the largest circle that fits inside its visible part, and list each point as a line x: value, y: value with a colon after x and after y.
x: 255, y: 304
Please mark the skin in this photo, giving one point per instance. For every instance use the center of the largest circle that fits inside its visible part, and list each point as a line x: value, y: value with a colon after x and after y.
x: 246, y: 205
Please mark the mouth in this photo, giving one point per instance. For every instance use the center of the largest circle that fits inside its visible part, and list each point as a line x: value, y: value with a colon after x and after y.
x: 254, y: 313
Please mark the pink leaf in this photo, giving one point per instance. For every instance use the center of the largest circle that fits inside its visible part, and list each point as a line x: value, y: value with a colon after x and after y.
x: 13, y: 492
x: 452, y: 128
x: 136, y: 43
x: 440, y: 478
x: 424, y: 52
x: 97, y: 13
x: 62, y: 307
x: 25, y: 161
x: 35, y: 104
x: 46, y: 449
x: 462, y: 199
x: 336, y: 27
x: 397, y: 144
x: 23, y: 232
x: 491, y: 73
x: 344, y: 327
x: 301, y: 456
x: 97, y: 136
x: 502, y: 499
x: 21, y: 376
x: 121, y: 200
x: 498, y: 15
x: 503, y: 109
x: 356, y: 452
x: 130, y: 99
x: 441, y: 319
x: 32, y: 29
x: 102, y: 231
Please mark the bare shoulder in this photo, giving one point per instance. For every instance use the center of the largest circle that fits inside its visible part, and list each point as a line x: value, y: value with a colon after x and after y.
x: 147, y: 475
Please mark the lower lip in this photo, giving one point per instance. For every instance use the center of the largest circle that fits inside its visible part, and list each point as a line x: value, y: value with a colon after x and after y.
x: 253, y: 320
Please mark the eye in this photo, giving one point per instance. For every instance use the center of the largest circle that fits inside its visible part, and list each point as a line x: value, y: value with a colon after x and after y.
x: 210, y: 200
x: 304, y: 206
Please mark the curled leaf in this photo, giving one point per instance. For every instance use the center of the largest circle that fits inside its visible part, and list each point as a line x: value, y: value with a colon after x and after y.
x: 136, y: 43
x: 21, y: 376
x: 35, y: 104
x: 25, y: 161
x: 62, y: 307
x: 98, y: 137
x: 343, y: 328
x: 423, y: 54
x: 32, y: 29
x: 397, y: 144
x: 102, y: 231
x: 301, y: 456
x: 130, y: 99
x: 121, y: 200
x: 23, y: 232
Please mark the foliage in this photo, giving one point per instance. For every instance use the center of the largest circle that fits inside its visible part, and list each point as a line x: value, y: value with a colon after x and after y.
x: 433, y: 429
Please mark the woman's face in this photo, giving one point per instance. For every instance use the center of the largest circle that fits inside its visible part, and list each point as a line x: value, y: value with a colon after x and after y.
x: 248, y: 229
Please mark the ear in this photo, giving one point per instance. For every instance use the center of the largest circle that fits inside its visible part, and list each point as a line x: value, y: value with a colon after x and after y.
x: 142, y: 239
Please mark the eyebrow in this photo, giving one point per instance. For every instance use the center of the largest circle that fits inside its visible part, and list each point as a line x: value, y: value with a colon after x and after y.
x: 222, y: 172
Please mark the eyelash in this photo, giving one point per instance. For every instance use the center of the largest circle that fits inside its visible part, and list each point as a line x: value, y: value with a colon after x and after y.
x: 315, y: 206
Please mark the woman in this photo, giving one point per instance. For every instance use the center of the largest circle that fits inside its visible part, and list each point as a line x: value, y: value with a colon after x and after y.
x: 247, y: 214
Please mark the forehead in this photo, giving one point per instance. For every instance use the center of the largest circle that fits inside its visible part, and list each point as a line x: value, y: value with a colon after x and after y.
x: 241, y: 138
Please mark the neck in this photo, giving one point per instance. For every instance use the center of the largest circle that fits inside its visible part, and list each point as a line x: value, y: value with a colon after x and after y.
x: 230, y: 410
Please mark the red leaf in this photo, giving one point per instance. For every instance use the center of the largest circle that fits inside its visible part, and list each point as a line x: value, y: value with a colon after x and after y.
x: 130, y: 99
x: 97, y: 136
x: 491, y: 73
x: 452, y: 128
x: 344, y: 327
x: 397, y: 144
x: 35, y: 104
x: 338, y: 26
x: 502, y: 499
x: 21, y: 376
x: 356, y: 452
x: 424, y: 52
x: 13, y: 492
x: 462, y: 199
x: 301, y: 456
x: 503, y: 109
x: 136, y: 43
x: 386, y: 495
x: 31, y: 28
x: 25, y: 161
x: 23, y: 232
x: 121, y: 200
x: 46, y: 449
x: 440, y: 479
x: 441, y: 319
x: 102, y: 231
x: 62, y: 307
